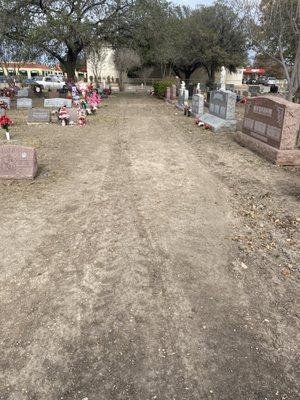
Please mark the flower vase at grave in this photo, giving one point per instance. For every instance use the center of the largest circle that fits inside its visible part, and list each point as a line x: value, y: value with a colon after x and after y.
x: 5, y: 123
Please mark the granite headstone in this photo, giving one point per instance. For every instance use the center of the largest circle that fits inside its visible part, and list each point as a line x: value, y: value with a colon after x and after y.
x: 57, y: 103
x: 17, y: 162
x: 23, y: 93
x: 221, y: 116
x: 73, y: 115
x: 38, y: 115
x: 173, y: 92
x: 230, y: 86
x: 271, y: 128
x: 183, y: 98
x: 254, y: 90
x: 24, y: 103
x: 198, y: 105
x: 168, y: 94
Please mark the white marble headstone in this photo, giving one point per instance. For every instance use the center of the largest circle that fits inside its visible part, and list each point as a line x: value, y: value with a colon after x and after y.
x: 198, y: 104
x: 57, y: 103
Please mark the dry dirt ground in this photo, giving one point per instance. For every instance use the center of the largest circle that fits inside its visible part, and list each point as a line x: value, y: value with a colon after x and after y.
x: 150, y: 259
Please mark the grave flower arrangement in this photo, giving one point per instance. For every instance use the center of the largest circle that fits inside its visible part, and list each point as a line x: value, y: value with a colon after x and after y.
x: 3, y: 105
x: 63, y: 116
x: 7, y: 92
x: 85, y: 106
x: 199, y: 122
x: 187, y: 110
x: 5, y: 123
x: 93, y: 102
x: 81, y: 117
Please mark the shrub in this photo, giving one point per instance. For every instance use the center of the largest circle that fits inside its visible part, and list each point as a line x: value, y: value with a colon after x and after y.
x: 160, y: 88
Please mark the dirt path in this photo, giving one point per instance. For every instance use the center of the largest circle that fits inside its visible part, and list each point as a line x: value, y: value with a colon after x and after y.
x: 116, y: 273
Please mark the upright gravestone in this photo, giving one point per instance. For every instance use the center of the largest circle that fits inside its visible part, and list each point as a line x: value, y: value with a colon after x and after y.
x: 57, y: 103
x: 17, y: 162
x: 73, y: 116
x: 23, y: 93
x: 221, y: 116
x: 271, y: 128
x: 198, y: 105
x: 254, y: 90
x: 24, y: 103
x: 6, y: 100
x: 173, y: 92
x: 230, y: 86
x: 182, y: 87
x: 38, y: 115
x: 168, y: 94
x: 183, y: 99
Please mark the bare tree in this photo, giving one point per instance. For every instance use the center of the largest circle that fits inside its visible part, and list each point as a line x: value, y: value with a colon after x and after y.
x: 125, y: 59
x: 273, y: 28
x: 97, y: 55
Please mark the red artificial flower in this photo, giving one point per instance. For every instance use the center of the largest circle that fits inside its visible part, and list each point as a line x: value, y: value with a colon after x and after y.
x: 207, y: 126
x: 5, y: 121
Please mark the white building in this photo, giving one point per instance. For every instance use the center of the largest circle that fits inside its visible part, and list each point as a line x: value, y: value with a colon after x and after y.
x: 235, y: 78
x: 101, y: 65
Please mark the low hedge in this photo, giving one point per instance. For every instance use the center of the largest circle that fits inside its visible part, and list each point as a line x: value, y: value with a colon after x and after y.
x: 160, y: 87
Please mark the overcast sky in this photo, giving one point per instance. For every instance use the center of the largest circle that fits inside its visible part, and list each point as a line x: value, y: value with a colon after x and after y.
x: 192, y: 3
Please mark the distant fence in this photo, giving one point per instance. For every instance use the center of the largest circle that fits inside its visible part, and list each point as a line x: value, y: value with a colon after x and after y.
x: 140, y: 84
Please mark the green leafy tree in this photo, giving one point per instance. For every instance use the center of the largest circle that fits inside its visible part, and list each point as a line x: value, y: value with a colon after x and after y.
x: 209, y: 37
x: 150, y: 34
x: 62, y: 29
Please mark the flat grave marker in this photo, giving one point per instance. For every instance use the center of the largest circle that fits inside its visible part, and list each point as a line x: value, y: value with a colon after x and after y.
x: 23, y: 93
x: 57, y: 103
x: 24, y: 103
x: 73, y: 115
x: 38, y: 115
x: 17, y: 162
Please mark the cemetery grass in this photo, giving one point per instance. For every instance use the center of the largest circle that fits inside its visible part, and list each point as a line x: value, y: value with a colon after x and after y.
x: 149, y: 259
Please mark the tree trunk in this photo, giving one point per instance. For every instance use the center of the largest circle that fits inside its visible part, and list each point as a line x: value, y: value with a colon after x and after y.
x: 211, y: 77
x: 177, y: 72
x: 121, y: 84
x: 69, y: 65
x: 294, y: 83
x: 187, y: 75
